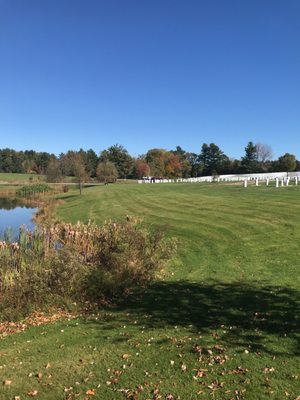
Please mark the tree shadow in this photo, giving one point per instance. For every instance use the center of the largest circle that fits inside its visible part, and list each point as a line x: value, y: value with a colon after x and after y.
x: 245, y: 314
x: 70, y: 196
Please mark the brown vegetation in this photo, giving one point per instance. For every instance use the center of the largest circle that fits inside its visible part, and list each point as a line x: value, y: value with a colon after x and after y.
x: 60, y: 264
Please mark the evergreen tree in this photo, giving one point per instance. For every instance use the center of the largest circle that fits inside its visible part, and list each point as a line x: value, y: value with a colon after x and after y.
x: 250, y: 161
x: 211, y: 159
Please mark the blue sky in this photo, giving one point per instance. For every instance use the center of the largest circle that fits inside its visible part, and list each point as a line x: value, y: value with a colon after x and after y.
x: 150, y: 73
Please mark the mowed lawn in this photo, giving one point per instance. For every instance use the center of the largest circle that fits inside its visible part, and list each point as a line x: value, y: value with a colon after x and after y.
x: 223, y: 323
x: 19, y: 178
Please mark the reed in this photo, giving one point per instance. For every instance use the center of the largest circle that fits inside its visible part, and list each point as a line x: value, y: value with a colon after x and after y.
x: 80, y: 260
x: 32, y: 190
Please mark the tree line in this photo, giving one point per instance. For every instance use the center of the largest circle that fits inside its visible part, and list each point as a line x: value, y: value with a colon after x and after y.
x: 115, y: 162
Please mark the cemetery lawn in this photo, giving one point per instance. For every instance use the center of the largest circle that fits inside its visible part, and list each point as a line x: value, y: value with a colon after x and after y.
x: 223, y: 323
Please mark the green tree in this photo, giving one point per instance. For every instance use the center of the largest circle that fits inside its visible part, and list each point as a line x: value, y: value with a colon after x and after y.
x: 212, y: 159
x: 250, y: 160
x: 118, y: 155
x: 287, y: 163
x: 180, y: 153
x: 192, y: 168
x: 66, y: 162
x: 6, y: 161
x: 42, y: 160
x: 91, y: 162
x: 106, y: 172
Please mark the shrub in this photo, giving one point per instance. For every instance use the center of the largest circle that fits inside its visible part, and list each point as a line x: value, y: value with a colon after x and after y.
x: 127, y: 255
x: 82, y: 262
x: 39, y: 285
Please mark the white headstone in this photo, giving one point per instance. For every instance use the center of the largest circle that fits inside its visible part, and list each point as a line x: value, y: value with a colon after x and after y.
x: 277, y: 182
x: 245, y: 183
x: 256, y: 181
x: 267, y: 182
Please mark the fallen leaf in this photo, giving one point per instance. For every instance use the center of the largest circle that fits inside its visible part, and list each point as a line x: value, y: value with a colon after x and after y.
x: 183, y: 367
x: 169, y: 397
x: 33, y: 393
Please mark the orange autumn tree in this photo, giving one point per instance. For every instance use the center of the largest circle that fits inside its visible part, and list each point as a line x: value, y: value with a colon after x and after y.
x: 141, y: 168
x: 173, y: 166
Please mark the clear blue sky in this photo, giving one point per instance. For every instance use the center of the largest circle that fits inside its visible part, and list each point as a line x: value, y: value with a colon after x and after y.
x: 150, y: 73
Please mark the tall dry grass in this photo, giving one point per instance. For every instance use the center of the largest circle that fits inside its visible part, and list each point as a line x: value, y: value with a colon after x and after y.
x: 81, y: 261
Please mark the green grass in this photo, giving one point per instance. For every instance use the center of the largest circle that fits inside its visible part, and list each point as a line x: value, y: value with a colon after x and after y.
x: 19, y: 178
x: 233, y: 290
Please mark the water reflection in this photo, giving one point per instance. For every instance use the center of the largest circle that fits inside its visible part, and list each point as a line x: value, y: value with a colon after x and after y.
x: 14, y: 214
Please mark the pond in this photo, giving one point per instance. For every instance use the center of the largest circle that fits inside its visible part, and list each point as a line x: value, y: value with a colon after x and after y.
x: 14, y: 214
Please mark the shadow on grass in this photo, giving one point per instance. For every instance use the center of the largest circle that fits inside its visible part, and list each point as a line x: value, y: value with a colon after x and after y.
x: 70, y: 196
x: 244, y: 314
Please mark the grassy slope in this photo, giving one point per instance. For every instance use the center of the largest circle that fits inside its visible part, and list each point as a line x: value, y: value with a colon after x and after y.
x: 235, y: 283
x: 19, y: 178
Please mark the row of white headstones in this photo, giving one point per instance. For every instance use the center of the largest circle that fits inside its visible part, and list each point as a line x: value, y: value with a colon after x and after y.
x: 278, y: 182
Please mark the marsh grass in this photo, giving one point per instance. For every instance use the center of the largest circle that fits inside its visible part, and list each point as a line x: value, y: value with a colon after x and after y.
x: 85, y: 262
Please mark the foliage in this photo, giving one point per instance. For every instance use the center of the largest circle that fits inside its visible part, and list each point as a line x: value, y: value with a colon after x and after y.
x: 156, y: 162
x: 287, y: 162
x: 141, y: 168
x: 86, y: 262
x: 79, y: 170
x: 29, y: 166
x: 173, y: 166
x: 250, y: 160
x: 118, y: 155
x: 31, y: 190
x: 24, y: 161
x: 127, y: 255
x: 212, y: 159
x: 90, y: 160
x: 107, y: 172
x: 53, y: 172
x: 34, y: 279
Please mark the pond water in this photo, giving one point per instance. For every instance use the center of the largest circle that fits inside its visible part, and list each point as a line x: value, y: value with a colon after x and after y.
x: 14, y: 214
